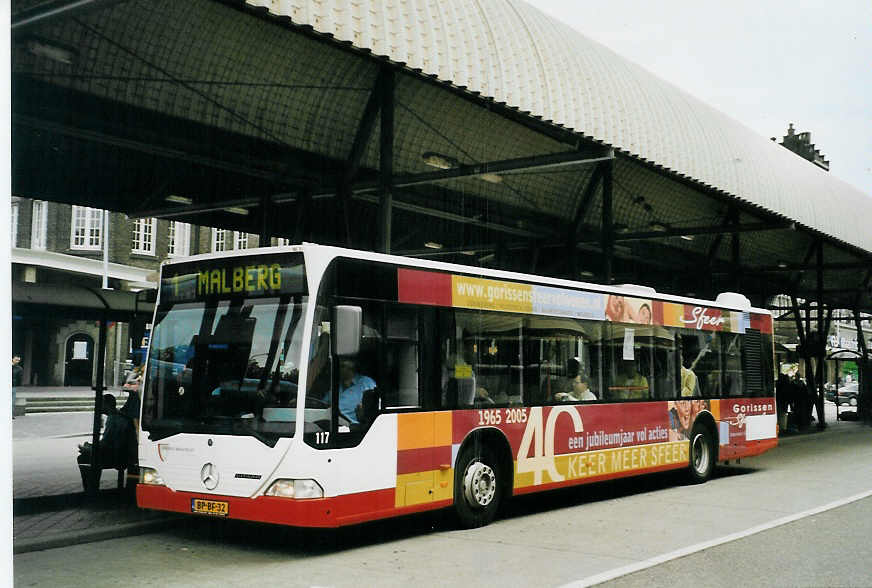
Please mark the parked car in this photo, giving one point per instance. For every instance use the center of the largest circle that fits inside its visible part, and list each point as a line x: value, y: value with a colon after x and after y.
x: 848, y: 394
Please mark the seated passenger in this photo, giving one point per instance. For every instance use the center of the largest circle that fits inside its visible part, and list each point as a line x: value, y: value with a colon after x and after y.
x: 629, y: 383
x: 482, y: 396
x: 351, y: 388
x: 576, y: 387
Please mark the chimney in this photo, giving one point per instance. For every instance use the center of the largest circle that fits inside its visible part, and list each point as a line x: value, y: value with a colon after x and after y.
x: 800, y: 143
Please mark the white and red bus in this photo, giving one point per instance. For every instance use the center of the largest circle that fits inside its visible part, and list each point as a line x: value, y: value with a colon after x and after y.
x: 319, y: 386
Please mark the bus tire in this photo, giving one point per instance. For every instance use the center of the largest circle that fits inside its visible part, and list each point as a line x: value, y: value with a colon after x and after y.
x: 702, y: 454
x: 478, y: 486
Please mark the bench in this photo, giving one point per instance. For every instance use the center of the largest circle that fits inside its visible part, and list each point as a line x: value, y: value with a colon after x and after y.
x: 124, y: 473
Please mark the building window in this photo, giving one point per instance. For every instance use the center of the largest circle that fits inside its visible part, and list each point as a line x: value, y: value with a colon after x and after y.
x: 219, y: 240
x: 39, y: 225
x: 144, y: 236
x: 14, y: 219
x: 87, y: 228
x: 241, y: 240
x: 178, y: 239
x: 282, y: 241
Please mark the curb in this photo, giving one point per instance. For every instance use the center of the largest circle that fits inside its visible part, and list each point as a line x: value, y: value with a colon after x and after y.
x: 90, y: 535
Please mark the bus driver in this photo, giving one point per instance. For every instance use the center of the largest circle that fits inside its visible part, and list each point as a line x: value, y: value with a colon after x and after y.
x: 351, y: 388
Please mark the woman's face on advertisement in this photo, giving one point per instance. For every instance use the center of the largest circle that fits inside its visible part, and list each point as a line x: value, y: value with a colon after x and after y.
x: 683, y: 408
x: 645, y: 315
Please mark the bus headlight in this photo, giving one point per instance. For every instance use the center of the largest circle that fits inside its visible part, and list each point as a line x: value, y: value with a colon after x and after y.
x: 150, y: 476
x: 299, y: 489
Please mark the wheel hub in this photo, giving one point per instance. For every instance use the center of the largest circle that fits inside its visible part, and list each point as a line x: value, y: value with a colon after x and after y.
x: 479, y: 484
x: 700, y: 454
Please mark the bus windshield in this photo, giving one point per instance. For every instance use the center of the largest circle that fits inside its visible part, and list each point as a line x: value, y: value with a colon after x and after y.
x: 224, y: 356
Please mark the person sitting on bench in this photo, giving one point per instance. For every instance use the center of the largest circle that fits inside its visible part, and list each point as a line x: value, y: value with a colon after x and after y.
x: 114, y: 450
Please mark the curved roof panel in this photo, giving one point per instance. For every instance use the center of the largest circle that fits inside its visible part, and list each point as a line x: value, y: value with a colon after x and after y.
x: 514, y: 53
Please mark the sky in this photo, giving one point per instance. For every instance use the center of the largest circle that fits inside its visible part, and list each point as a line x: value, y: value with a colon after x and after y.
x: 765, y: 63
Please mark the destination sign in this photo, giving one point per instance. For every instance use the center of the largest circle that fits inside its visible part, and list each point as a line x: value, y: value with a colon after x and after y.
x: 248, y: 278
x: 255, y: 276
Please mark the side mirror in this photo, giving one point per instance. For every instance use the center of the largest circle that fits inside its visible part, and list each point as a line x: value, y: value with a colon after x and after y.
x: 346, y: 340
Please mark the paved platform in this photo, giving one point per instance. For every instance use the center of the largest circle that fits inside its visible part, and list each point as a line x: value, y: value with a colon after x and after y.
x: 57, y: 521
x: 49, y: 508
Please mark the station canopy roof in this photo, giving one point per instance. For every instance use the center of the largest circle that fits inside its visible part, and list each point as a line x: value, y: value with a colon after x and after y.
x: 264, y: 116
x: 39, y: 300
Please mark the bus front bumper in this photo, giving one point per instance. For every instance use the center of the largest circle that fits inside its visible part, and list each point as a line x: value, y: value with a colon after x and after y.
x: 315, y: 512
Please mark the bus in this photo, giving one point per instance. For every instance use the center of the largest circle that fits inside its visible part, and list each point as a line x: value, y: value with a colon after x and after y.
x: 318, y: 386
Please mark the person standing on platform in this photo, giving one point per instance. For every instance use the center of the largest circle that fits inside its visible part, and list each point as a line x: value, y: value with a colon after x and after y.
x: 17, y: 376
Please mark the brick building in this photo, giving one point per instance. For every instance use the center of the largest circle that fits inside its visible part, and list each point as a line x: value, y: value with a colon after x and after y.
x: 60, y: 244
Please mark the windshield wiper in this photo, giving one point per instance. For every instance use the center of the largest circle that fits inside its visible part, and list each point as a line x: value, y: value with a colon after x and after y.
x: 161, y: 429
x: 269, y: 441
x: 211, y: 424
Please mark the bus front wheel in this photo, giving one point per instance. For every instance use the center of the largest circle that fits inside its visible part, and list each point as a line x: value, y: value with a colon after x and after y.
x: 477, y: 486
x: 702, y: 454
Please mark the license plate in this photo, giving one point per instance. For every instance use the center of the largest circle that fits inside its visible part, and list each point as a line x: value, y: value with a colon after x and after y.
x: 210, y: 507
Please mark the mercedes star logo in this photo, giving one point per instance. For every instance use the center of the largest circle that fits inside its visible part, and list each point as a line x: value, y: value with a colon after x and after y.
x: 209, y: 476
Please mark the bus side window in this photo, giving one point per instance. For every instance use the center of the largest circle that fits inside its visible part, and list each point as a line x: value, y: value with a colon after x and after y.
x: 629, y: 364
x: 701, y: 351
x: 491, y: 345
x: 731, y: 347
x: 561, y: 360
x: 665, y: 383
x: 402, y: 359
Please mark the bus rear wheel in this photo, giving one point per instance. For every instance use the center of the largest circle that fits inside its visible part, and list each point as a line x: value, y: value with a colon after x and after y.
x: 478, y: 488
x: 702, y: 454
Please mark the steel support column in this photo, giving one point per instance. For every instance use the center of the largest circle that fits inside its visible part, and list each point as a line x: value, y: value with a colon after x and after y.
x: 386, y: 161
x: 823, y: 327
x: 301, y: 230
x: 735, y: 259
x: 804, y: 341
x: 358, y: 146
x: 535, y: 251
x: 864, y: 404
x: 98, y: 411
x: 864, y: 397
x: 266, y: 213
x: 580, y: 212
x: 608, y: 229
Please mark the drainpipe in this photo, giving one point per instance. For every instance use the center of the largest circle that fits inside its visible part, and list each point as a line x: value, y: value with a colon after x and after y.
x: 105, y: 285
